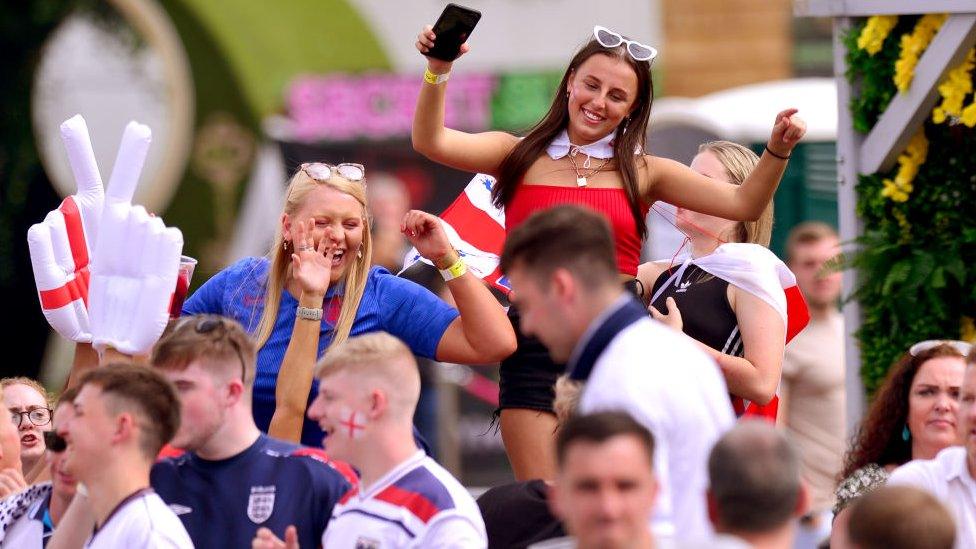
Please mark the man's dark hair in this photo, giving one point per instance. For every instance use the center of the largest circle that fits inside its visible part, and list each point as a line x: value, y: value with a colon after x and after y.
x: 143, y: 392
x: 754, y: 478
x: 600, y: 427
x: 567, y: 237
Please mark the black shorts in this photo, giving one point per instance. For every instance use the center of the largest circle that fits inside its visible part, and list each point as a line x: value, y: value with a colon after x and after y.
x: 527, y: 378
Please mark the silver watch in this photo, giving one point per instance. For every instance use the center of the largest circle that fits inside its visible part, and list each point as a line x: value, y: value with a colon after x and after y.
x: 308, y: 314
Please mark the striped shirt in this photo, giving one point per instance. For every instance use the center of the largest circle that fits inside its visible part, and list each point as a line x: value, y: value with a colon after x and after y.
x: 416, y: 504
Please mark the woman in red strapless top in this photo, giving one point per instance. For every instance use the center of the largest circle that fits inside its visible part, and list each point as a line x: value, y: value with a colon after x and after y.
x: 602, y: 106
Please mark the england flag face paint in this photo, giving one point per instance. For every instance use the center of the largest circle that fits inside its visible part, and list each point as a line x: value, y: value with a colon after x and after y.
x: 350, y: 423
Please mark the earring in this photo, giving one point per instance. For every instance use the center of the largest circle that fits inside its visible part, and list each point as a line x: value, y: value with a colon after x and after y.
x: 284, y: 245
x: 359, y: 252
x: 905, y: 433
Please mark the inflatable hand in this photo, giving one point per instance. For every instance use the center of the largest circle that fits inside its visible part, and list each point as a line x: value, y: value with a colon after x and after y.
x: 136, y: 260
x: 61, y: 245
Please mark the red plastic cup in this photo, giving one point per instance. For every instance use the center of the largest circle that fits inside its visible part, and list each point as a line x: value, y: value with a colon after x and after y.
x: 187, y: 265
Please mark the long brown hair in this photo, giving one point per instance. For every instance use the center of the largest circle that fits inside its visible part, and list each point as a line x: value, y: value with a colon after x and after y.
x: 630, y: 134
x: 879, y: 439
x: 355, y: 280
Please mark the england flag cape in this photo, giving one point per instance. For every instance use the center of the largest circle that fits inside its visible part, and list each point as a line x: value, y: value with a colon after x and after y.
x: 755, y: 269
x: 476, y: 228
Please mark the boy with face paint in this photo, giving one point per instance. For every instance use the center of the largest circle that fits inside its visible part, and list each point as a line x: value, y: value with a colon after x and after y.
x: 365, y: 404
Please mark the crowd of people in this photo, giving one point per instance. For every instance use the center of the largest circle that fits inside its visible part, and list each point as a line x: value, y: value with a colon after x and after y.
x: 695, y: 401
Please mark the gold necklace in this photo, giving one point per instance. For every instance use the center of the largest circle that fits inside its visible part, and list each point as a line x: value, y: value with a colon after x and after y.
x: 580, y: 176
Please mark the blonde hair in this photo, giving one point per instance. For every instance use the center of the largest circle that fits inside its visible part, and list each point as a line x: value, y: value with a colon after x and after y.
x: 299, y: 186
x: 739, y: 161
x: 380, y: 356
x: 32, y: 383
x: 568, y: 393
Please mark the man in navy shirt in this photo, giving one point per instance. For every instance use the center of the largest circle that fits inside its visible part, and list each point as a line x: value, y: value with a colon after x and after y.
x: 233, y: 479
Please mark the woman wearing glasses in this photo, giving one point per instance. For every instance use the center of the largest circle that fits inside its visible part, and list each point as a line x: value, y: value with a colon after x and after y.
x: 589, y: 150
x: 31, y: 413
x: 316, y: 287
x: 912, y: 416
x: 28, y: 520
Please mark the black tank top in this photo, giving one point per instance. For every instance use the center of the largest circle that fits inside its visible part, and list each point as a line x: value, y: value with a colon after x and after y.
x: 703, y: 301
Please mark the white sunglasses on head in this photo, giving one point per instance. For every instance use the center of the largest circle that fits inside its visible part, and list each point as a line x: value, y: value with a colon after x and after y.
x: 609, y: 39
x: 961, y: 346
x: 323, y: 172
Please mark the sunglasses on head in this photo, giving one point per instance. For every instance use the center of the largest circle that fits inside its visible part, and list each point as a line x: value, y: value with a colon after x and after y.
x: 54, y: 442
x: 320, y: 171
x: 961, y: 346
x: 609, y: 39
x: 209, y: 325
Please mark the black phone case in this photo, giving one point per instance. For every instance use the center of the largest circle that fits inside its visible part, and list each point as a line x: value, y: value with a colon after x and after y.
x: 452, y: 29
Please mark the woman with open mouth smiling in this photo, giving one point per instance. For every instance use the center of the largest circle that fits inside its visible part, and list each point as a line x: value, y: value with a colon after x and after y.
x: 589, y: 149
x: 316, y: 288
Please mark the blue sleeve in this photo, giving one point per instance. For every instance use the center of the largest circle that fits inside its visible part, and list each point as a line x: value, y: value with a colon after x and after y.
x: 413, y: 313
x: 329, y: 486
x: 210, y: 297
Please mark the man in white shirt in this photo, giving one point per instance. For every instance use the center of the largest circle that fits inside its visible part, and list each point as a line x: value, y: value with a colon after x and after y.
x: 123, y: 415
x: 565, y: 281
x: 369, y: 389
x: 951, y: 475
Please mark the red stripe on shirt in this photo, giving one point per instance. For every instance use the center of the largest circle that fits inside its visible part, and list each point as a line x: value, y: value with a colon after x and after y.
x: 420, y: 506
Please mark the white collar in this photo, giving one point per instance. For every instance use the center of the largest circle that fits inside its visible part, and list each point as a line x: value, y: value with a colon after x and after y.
x: 392, y: 475
x: 561, y: 146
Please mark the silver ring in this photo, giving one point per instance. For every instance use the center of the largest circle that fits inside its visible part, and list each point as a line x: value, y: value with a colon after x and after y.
x: 305, y: 248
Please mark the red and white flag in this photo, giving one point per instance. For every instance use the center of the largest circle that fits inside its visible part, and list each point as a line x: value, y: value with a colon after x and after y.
x: 476, y: 228
x: 758, y: 271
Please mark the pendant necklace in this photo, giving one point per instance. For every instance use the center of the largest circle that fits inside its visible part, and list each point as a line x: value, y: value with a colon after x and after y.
x: 581, y: 175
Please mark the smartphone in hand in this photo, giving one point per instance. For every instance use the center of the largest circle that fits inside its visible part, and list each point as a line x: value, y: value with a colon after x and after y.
x: 451, y: 30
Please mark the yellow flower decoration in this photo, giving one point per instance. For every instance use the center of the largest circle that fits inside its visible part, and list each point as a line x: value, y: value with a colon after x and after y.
x: 954, y: 89
x: 968, y: 116
x: 913, y: 45
x: 875, y: 31
x: 899, y: 189
x: 967, y: 329
x: 906, y: 228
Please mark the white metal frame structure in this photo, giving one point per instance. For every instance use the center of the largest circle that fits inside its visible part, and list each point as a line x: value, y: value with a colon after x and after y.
x: 878, y: 151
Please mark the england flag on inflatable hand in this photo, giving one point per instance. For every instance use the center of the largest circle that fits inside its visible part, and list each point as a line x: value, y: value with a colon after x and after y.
x: 105, y: 269
x: 61, y: 245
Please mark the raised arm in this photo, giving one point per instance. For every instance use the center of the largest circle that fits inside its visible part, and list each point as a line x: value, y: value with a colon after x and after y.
x: 311, y: 268
x: 471, y: 152
x: 483, y: 333
x: 677, y: 184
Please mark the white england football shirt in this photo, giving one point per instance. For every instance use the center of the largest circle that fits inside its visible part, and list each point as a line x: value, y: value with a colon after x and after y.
x: 417, y: 504
x: 140, y: 521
